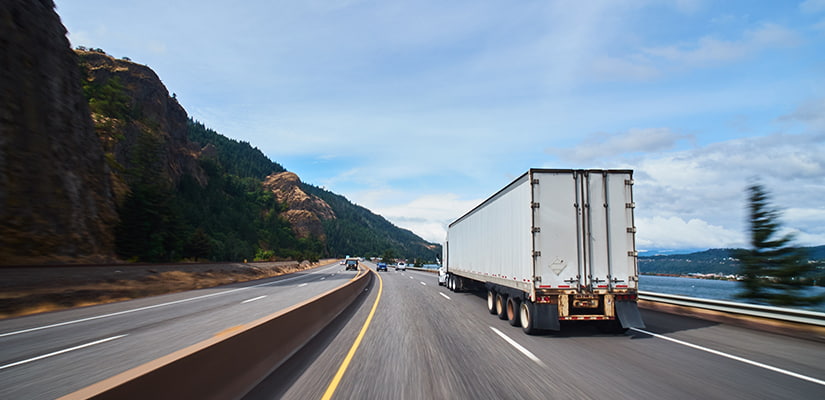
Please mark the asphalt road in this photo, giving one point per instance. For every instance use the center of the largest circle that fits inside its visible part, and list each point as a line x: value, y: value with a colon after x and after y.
x: 49, y: 355
x: 425, y: 342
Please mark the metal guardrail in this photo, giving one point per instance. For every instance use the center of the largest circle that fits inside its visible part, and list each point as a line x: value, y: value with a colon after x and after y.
x: 754, y: 310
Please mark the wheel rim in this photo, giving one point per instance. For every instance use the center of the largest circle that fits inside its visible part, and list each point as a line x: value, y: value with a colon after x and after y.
x: 525, y: 316
x: 511, y: 309
x: 491, y: 300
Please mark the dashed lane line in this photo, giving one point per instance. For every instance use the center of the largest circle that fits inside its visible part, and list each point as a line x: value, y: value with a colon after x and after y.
x: 82, y: 346
x: 252, y: 299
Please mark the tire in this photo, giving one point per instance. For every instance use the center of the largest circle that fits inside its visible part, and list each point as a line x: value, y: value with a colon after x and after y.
x: 526, y: 317
x: 491, y: 301
x: 512, y: 311
x: 501, y: 306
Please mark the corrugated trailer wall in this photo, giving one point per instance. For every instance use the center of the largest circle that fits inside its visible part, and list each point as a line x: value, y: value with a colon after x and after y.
x: 493, y: 242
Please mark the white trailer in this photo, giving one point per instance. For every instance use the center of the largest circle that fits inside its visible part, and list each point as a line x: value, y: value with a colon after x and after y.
x: 554, y: 245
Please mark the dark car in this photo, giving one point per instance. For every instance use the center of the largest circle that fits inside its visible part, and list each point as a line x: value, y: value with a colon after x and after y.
x: 381, y: 267
x: 352, y: 264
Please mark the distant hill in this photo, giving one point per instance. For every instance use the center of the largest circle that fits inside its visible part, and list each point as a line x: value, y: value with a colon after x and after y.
x: 713, y: 261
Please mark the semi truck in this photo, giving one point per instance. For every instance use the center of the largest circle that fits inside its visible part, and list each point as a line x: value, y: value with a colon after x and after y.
x: 554, y: 245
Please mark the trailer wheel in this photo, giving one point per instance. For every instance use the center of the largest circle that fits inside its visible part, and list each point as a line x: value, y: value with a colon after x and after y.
x: 491, y: 301
x: 526, y: 318
x: 513, y: 311
x: 501, y: 306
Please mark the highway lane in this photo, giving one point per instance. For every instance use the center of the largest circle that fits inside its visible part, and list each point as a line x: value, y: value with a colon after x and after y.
x: 52, y: 354
x: 426, y: 342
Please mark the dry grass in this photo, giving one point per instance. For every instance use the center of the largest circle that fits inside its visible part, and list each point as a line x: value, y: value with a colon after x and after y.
x: 32, y: 290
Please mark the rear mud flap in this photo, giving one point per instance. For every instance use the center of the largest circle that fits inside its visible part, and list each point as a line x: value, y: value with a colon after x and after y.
x: 628, y: 313
x: 546, y: 317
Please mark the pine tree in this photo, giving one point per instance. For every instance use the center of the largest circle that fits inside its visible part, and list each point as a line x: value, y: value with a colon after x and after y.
x: 772, y: 268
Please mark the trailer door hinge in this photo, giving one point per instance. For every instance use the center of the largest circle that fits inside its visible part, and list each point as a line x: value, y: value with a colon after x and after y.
x: 630, y: 205
x: 535, y: 229
x: 631, y: 229
x: 534, y: 205
x: 536, y: 279
x: 632, y: 253
x: 535, y: 181
x: 628, y: 181
x: 536, y: 254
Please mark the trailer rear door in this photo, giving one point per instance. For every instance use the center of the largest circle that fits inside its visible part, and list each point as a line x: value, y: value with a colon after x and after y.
x: 583, y: 233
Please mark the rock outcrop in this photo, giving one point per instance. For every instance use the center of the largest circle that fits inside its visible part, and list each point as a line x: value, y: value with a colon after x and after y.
x: 137, y: 121
x: 56, y: 198
x: 305, y: 212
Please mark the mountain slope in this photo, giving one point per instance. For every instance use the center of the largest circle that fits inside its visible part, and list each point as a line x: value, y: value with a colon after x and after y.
x: 118, y: 169
x: 712, y: 261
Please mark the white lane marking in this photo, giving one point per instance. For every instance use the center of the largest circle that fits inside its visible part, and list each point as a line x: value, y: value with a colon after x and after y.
x: 444, y: 296
x: 144, y: 308
x: 253, y: 299
x: 733, y: 357
x: 2, y: 367
x: 518, y: 347
x: 412, y: 277
x: 423, y: 283
x: 303, y: 284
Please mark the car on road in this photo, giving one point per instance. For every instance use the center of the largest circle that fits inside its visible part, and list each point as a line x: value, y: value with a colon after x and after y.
x: 401, y: 266
x: 381, y: 267
x: 352, y: 264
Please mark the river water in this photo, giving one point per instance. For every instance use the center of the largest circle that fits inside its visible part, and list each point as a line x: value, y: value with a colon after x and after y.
x: 706, y: 288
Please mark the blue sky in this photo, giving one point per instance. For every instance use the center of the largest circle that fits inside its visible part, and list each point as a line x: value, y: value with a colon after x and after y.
x: 419, y: 110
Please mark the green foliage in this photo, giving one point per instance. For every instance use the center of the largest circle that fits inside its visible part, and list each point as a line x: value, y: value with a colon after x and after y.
x: 107, y: 98
x: 198, y: 246
x: 230, y: 218
x: 237, y: 158
x: 772, y: 268
x: 357, y: 230
x: 388, y: 256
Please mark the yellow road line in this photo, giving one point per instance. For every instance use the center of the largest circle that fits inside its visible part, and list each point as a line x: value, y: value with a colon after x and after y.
x: 345, y: 364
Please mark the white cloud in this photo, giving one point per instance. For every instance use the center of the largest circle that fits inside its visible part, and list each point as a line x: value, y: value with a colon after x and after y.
x: 427, y: 216
x: 812, y: 6
x: 696, y: 198
x: 709, y: 51
x: 600, y: 146
x: 811, y: 113
x: 677, y: 233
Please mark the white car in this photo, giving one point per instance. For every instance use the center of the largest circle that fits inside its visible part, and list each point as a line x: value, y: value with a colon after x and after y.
x: 401, y: 266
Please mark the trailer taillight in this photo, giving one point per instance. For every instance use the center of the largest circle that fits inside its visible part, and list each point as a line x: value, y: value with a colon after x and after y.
x: 547, y: 299
x: 626, y: 297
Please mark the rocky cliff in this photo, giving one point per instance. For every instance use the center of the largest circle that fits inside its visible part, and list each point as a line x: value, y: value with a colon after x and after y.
x: 141, y: 127
x: 304, y: 211
x: 56, y: 198
x: 97, y: 160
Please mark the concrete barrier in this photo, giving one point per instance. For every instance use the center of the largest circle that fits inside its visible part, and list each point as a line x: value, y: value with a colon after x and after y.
x: 227, y: 366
